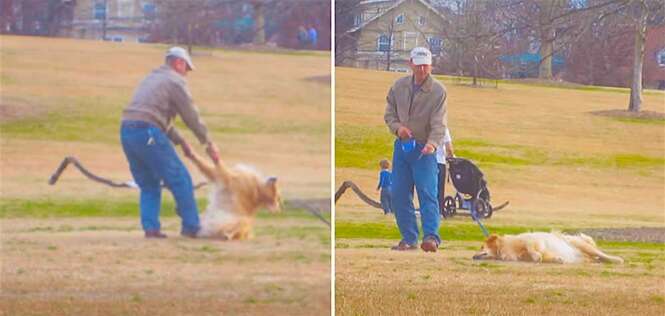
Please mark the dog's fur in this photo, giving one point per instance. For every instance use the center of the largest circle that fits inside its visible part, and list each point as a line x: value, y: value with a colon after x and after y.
x: 235, y: 197
x: 543, y: 247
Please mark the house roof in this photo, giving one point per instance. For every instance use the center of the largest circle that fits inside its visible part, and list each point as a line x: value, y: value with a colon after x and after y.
x: 397, y: 4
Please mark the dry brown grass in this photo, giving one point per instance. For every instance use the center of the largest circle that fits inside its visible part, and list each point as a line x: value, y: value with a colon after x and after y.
x: 103, y: 266
x: 375, y: 281
x: 262, y: 109
x: 243, y: 90
x: 371, y: 280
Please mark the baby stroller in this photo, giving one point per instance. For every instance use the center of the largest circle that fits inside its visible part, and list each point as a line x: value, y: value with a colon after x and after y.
x: 472, y: 193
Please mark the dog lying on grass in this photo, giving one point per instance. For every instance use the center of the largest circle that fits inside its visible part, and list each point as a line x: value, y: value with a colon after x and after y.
x: 543, y: 247
x: 235, y: 197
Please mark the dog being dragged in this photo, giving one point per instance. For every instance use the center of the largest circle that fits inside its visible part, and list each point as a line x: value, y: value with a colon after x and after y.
x: 235, y: 197
x: 544, y: 247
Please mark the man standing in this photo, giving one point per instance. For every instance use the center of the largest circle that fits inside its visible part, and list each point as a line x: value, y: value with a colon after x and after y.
x: 147, y: 135
x: 416, y: 114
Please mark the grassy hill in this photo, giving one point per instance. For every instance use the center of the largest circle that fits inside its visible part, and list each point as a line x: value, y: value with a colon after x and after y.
x: 62, y: 97
x: 542, y: 148
x: 65, y: 97
x: 546, y: 150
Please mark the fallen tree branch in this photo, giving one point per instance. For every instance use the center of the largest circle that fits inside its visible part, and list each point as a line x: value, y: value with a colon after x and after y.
x: 349, y: 184
x: 305, y: 204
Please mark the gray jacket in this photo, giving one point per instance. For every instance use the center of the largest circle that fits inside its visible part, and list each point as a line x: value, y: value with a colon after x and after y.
x: 425, y: 116
x: 157, y: 100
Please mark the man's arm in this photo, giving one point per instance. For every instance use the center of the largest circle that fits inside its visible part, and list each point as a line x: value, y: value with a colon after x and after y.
x: 438, y: 122
x: 391, y: 117
x: 174, y: 135
x: 189, y: 113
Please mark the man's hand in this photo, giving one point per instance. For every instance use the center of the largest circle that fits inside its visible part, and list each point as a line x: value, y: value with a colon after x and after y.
x: 428, y: 149
x: 213, y: 151
x: 404, y: 132
x: 186, y: 149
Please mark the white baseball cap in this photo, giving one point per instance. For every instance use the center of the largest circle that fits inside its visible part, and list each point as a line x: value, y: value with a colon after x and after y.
x: 421, y: 56
x: 180, y: 52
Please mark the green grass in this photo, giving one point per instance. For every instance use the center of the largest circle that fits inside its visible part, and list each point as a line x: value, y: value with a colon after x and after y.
x: 75, y: 124
x: 462, y: 231
x: 99, y: 207
x: 448, y: 230
x: 363, y: 147
x: 635, y: 120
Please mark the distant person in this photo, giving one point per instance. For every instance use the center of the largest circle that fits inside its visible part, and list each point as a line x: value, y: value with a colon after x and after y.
x: 441, y: 153
x: 148, y: 135
x: 385, y: 183
x: 416, y: 114
x: 303, y: 37
x: 313, y: 37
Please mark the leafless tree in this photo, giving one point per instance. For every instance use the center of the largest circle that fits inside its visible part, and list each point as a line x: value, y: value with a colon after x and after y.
x: 642, y: 12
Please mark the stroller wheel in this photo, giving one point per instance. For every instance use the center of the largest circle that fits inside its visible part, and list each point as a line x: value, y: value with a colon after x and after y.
x: 483, y: 209
x: 449, y: 208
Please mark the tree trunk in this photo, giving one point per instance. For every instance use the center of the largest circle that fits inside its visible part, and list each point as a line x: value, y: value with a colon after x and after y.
x: 638, y: 60
x: 388, y: 59
x: 259, y: 31
x: 548, y: 9
x: 106, y: 13
x: 475, y: 71
x: 546, y: 50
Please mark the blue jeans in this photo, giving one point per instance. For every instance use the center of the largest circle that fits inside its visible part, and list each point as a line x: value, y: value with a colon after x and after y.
x: 152, y: 159
x: 408, y: 170
x: 386, y: 200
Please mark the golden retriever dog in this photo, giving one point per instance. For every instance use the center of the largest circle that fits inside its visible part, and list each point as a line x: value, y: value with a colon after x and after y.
x: 235, y: 197
x: 543, y: 247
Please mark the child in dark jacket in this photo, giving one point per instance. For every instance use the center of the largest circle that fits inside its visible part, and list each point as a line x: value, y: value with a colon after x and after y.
x: 385, y: 181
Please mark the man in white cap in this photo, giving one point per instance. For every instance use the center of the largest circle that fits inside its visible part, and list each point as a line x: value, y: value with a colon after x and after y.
x: 148, y: 137
x: 416, y: 114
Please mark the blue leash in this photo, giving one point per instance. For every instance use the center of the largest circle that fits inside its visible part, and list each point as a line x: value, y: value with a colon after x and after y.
x: 477, y: 220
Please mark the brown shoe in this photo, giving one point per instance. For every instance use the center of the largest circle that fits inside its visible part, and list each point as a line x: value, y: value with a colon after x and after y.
x: 154, y: 234
x: 188, y: 234
x: 404, y: 246
x: 429, y: 245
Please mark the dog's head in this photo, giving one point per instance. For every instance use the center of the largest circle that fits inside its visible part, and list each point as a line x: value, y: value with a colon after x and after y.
x: 490, y: 249
x: 270, y: 195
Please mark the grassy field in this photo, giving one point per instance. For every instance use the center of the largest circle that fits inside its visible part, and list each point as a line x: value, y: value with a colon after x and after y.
x: 561, y: 167
x: 64, y: 97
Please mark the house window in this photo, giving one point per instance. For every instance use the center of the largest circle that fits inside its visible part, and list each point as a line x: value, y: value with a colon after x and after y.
x: 357, y: 20
x: 149, y: 10
x: 435, y: 45
x: 399, y: 19
x: 384, y: 43
x: 421, y: 20
x: 99, y: 11
x: 125, y: 8
x: 660, y: 57
x: 410, y: 40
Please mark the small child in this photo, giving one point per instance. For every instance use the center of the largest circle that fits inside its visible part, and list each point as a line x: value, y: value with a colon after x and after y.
x: 385, y: 182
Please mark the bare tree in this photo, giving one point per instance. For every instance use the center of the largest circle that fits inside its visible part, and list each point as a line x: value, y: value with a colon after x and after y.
x: 642, y: 13
x: 345, y: 43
